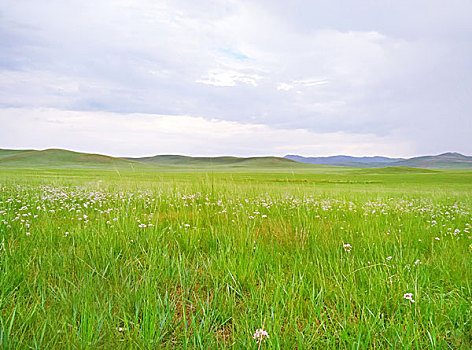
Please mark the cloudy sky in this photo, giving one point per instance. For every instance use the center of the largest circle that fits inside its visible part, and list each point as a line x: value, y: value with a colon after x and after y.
x: 216, y: 77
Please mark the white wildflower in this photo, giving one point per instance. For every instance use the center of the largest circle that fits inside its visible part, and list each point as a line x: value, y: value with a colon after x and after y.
x: 260, y: 335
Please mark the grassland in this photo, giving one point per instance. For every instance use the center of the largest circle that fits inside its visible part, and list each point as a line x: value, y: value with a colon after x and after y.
x: 318, y: 257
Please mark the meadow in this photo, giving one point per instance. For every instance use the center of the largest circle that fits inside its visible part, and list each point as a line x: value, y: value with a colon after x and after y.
x: 202, y: 258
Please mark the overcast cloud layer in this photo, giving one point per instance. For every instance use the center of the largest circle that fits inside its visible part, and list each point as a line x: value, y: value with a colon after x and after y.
x: 143, y: 77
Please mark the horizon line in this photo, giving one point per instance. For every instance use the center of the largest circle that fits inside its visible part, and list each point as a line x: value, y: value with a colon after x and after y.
x: 227, y: 155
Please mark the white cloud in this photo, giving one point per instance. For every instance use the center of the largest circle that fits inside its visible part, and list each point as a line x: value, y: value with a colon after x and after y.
x: 311, y: 82
x: 322, y: 66
x: 284, y: 86
x: 220, y: 77
x: 144, y: 134
x: 300, y: 84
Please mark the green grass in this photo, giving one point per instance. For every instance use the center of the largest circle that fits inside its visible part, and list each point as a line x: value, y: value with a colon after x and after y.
x: 220, y: 254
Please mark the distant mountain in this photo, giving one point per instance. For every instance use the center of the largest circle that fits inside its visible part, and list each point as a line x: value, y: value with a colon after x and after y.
x: 376, y: 161
x: 445, y: 160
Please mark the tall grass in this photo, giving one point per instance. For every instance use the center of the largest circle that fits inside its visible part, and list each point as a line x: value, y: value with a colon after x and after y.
x: 180, y: 260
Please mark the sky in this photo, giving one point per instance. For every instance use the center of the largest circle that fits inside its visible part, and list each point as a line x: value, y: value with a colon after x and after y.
x: 243, y: 78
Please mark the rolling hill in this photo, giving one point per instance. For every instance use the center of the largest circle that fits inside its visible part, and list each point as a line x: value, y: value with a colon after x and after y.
x: 58, y: 158
x: 185, y: 161
x: 342, y: 160
x: 11, y: 152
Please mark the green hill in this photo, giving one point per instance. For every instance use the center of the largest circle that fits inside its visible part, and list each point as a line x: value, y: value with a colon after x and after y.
x: 184, y: 161
x: 11, y: 152
x: 58, y: 158
x: 397, y: 170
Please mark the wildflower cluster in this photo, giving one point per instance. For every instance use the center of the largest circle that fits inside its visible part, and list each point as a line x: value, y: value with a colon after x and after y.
x: 260, y: 336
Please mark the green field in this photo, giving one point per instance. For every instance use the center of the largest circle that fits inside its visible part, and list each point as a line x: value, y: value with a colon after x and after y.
x: 318, y: 257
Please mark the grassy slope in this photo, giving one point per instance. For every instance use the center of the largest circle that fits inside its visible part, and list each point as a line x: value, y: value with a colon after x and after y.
x: 11, y: 152
x: 185, y: 161
x: 57, y: 158
x: 397, y: 170
x: 179, y: 160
